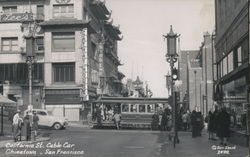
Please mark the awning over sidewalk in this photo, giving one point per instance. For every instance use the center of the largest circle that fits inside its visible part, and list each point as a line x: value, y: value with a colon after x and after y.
x: 5, y: 102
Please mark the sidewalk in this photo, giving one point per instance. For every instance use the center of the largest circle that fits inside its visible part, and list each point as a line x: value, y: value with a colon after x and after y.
x: 8, y: 137
x: 202, y: 147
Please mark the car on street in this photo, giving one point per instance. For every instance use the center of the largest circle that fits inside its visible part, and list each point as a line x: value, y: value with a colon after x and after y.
x: 48, y: 120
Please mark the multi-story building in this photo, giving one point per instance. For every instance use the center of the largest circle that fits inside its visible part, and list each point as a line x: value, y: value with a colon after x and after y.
x: 75, y: 50
x: 232, y: 60
x: 188, y: 63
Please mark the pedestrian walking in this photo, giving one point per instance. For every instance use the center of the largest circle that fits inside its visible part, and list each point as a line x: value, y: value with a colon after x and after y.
x: 164, y: 120
x: 194, y: 124
x: 17, y: 126
x: 185, y: 121
x: 223, y: 126
x: 35, y: 123
x: 89, y: 118
x: 117, y: 120
x: 209, y: 125
x: 27, y: 128
x: 188, y: 120
x: 160, y: 113
x: 199, y: 123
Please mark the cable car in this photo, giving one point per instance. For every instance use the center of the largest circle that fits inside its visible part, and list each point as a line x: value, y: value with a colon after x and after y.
x: 135, y: 112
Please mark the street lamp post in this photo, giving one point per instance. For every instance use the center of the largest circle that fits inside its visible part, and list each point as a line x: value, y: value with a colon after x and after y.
x: 171, y: 59
x: 30, y: 60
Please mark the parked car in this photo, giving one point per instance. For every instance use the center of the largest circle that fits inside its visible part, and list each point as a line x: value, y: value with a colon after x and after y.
x: 48, y: 120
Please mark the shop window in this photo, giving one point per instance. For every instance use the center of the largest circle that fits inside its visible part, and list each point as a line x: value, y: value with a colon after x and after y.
x: 230, y: 62
x: 9, y: 9
x: 225, y: 70
x: 218, y: 70
x: 63, y: 11
x: 10, y: 44
x: 239, y: 56
x: 221, y: 68
x: 245, y: 51
x: 64, y: 72
x: 63, y: 41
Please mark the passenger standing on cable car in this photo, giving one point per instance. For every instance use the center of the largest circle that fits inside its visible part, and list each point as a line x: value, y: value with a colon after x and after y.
x: 117, y: 120
x: 99, y: 116
x: 155, y: 121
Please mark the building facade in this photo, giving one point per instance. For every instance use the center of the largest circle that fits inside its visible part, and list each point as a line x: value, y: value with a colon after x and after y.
x: 232, y: 61
x: 195, y: 72
x: 206, y: 62
x: 75, y: 50
x: 189, y: 91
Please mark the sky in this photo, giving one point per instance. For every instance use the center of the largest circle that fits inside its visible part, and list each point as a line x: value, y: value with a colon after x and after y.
x: 143, y: 24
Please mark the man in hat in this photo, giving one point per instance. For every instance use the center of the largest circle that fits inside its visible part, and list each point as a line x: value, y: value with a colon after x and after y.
x: 17, y: 125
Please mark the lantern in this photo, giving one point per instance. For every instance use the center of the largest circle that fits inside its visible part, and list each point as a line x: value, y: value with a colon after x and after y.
x: 171, y: 42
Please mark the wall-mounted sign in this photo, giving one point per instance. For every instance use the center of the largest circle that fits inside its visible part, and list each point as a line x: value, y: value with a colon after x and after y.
x: 62, y: 1
x: 84, y: 91
x: 16, y: 17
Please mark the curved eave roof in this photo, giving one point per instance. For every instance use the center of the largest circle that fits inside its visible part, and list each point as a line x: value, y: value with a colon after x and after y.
x: 113, y: 31
x: 100, y: 10
x: 120, y: 75
x: 114, y: 58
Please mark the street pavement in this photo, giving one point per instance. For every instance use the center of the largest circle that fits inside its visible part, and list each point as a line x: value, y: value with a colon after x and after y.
x: 81, y: 140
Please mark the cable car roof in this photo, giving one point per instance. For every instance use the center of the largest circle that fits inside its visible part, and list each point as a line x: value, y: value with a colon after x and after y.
x: 130, y: 100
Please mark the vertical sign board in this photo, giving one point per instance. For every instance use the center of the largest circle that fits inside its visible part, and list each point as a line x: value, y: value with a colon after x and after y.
x: 84, y: 39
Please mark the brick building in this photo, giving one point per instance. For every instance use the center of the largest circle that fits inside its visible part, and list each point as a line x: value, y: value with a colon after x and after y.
x: 75, y: 46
